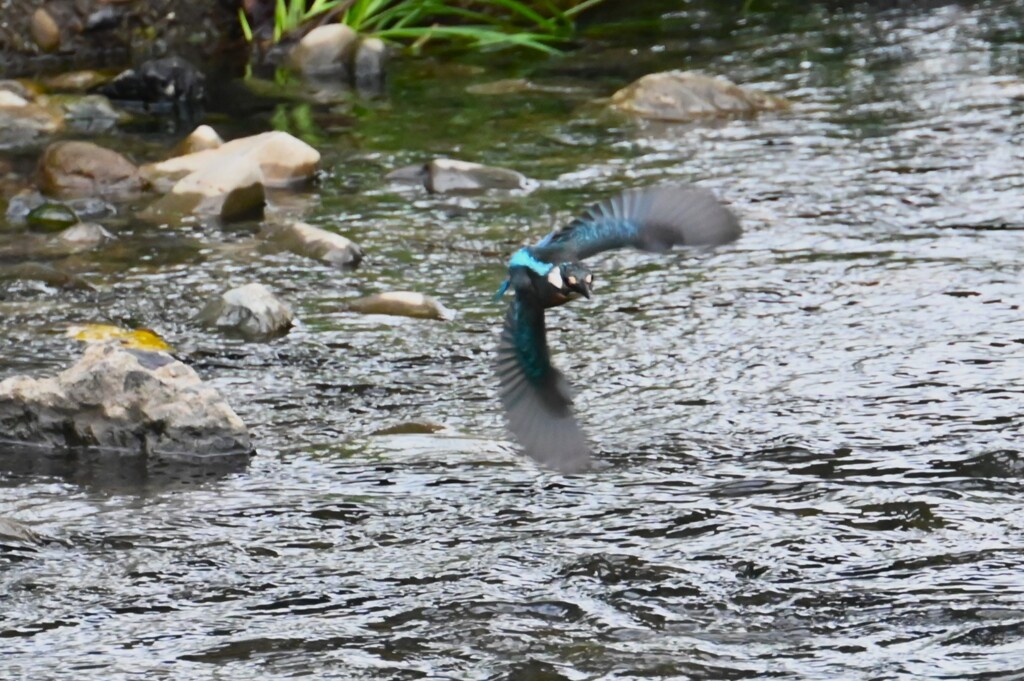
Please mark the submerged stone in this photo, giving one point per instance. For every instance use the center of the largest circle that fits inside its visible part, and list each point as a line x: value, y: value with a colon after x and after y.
x: 446, y: 175
x: 316, y: 243
x: 686, y: 96
x: 251, y: 310
x: 404, y: 304
x: 51, y: 217
x: 84, y: 236
x: 119, y: 398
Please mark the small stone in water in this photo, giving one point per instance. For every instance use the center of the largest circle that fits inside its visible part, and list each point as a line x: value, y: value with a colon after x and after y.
x: 51, y: 217
x: 403, y: 304
x: 251, y: 310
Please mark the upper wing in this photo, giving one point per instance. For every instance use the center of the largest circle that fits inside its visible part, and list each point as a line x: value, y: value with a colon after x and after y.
x: 651, y: 219
x: 535, y: 394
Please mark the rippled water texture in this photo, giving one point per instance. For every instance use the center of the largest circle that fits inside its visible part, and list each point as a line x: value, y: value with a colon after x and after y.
x: 812, y: 437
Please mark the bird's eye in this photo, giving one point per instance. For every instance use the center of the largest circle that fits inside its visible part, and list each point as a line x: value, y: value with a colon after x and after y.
x: 571, y: 280
x: 589, y: 278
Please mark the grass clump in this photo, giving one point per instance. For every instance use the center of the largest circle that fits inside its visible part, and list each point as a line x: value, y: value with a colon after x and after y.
x: 477, y: 24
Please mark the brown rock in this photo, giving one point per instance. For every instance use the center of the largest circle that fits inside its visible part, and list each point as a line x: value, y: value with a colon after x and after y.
x: 325, y: 49
x: 86, y: 169
x: 44, y: 30
x: 404, y: 304
x: 316, y: 243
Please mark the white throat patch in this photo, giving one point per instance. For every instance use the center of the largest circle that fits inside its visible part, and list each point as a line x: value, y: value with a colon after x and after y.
x: 555, y: 277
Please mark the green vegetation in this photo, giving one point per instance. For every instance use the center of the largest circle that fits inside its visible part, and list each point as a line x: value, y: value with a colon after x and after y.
x: 535, y: 24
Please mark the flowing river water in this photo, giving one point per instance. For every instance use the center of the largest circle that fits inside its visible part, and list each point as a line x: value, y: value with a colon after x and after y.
x: 811, y: 438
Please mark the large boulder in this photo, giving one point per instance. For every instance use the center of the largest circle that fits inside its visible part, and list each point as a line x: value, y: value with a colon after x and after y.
x: 447, y: 175
x: 120, y: 398
x: 250, y: 310
x: 316, y: 243
x: 229, y: 189
x: 281, y: 159
x: 687, y: 96
x: 86, y: 169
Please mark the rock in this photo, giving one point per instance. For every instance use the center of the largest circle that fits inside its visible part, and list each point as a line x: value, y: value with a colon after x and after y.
x: 316, y: 243
x: 251, y: 310
x: 120, y: 398
x: 89, y: 113
x: 44, y: 30
x: 11, y: 531
x: 231, y: 189
x: 369, y: 65
x: 21, y: 205
x: 74, y: 81
x: 202, y: 138
x: 51, y: 217
x: 85, y: 169
x: 687, y: 96
x: 158, y: 85
x: 11, y: 99
x: 326, y: 49
x: 21, y: 122
x: 282, y: 160
x: 403, y: 304
x: 18, y: 88
x: 84, y: 236
x: 46, y: 274
x: 445, y: 175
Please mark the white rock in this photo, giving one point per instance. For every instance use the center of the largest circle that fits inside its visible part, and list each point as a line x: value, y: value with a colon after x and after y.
x: 85, y: 235
x: 114, y: 397
x: 8, y: 98
x: 201, y: 139
x: 251, y: 310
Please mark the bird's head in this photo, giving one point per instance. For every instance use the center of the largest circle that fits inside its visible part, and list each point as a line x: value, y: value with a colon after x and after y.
x: 577, y: 280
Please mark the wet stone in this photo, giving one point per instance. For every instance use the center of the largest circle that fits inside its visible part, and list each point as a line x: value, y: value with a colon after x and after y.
x: 202, y: 138
x: 84, y: 236
x: 686, y: 96
x: 369, y: 65
x: 86, y: 169
x: 445, y: 175
x: 89, y: 113
x: 116, y: 398
x: 251, y: 310
x: 51, y: 217
x: 403, y: 304
x: 231, y: 189
x: 316, y: 243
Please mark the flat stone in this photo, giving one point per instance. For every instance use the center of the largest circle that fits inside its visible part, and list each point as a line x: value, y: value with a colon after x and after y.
x: 282, y: 160
x: 251, y: 310
x: 325, y: 49
x: 230, y: 189
x: 403, y: 304
x: 74, y: 81
x: 316, y: 243
x: 119, y: 398
x: 22, y: 124
x: 86, y: 169
x: 88, y: 113
x: 687, y: 96
x: 446, y: 175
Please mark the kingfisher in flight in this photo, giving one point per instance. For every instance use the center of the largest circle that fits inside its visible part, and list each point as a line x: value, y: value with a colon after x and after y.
x: 535, y: 395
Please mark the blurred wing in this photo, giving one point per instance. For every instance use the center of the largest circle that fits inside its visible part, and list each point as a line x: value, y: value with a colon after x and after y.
x: 535, y: 394
x: 651, y: 219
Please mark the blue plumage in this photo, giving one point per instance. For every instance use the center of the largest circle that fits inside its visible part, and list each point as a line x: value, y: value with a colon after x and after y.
x: 534, y: 393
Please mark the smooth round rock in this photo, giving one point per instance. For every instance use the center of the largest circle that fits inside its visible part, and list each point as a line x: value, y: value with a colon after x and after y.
x: 251, y: 310
x: 87, y: 169
x: 51, y: 217
x: 44, y: 30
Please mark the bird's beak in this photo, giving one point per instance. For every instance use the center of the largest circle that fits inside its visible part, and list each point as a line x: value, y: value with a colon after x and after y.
x: 585, y: 290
